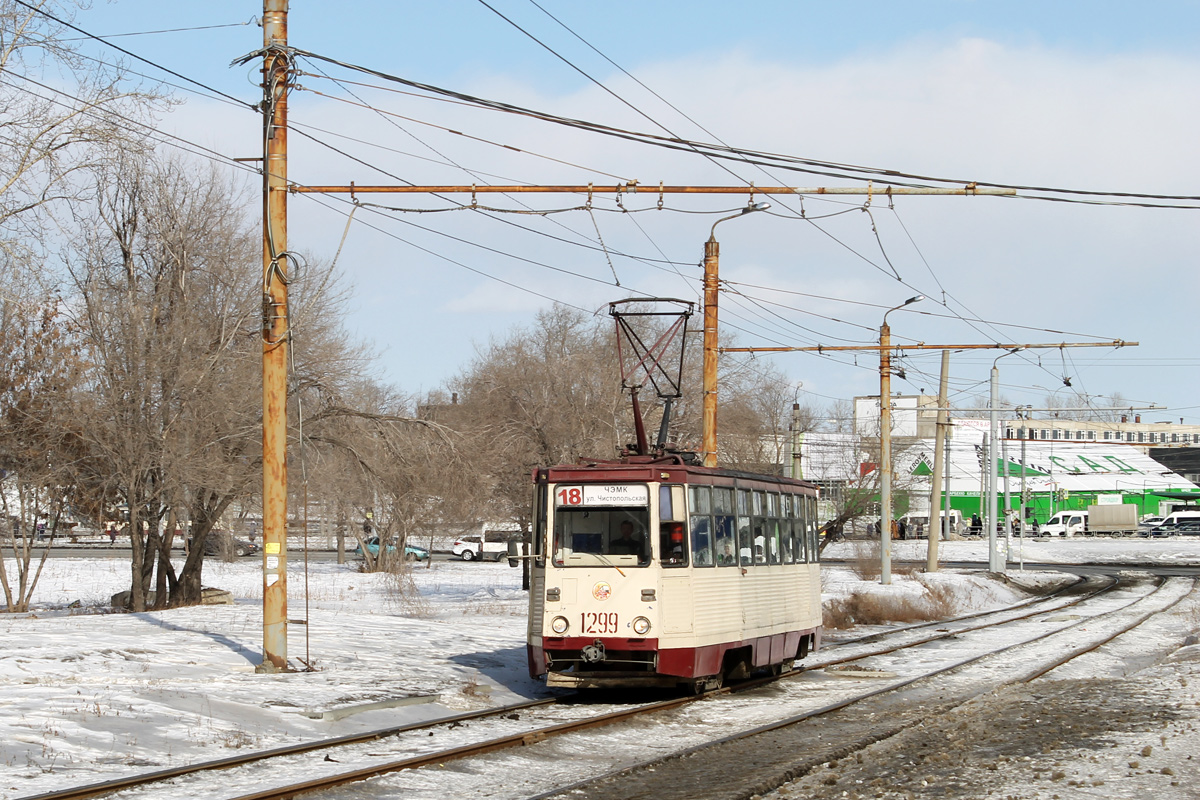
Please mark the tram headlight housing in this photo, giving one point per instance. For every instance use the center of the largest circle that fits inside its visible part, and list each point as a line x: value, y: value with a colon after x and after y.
x: 641, y: 626
x: 559, y: 625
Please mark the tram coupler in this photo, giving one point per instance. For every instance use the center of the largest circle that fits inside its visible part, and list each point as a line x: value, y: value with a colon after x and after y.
x: 593, y: 653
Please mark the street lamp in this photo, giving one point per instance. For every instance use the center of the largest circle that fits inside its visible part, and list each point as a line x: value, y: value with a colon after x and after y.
x: 885, y: 443
x: 995, y: 562
x: 712, y: 252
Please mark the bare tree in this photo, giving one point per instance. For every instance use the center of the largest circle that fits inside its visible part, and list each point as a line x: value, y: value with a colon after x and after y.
x: 168, y: 321
x: 39, y: 449
x: 1084, y: 407
x: 64, y: 114
x: 545, y: 394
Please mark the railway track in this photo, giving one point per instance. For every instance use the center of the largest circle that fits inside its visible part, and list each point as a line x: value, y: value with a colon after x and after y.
x: 480, y: 747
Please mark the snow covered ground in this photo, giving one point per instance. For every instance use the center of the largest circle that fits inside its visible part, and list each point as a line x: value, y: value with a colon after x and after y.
x: 1174, y: 550
x: 87, y: 695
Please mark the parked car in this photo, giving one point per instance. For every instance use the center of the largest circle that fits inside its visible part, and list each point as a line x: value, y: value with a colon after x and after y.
x: 492, y: 545
x: 1186, y: 527
x: 411, y: 551
x: 216, y: 542
x: 1153, y: 526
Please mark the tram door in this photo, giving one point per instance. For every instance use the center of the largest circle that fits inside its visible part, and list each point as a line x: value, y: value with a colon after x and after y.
x: 676, y: 601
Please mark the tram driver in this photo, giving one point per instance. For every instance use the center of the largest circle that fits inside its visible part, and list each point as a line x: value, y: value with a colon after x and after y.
x: 628, y: 544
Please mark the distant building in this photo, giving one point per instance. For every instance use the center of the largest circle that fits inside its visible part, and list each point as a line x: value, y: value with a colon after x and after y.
x: 1143, y: 435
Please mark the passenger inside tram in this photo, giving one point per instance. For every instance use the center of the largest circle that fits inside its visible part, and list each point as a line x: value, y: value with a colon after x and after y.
x: 627, y: 544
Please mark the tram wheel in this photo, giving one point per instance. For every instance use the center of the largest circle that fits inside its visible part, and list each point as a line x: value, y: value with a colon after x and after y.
x: 702, y: 685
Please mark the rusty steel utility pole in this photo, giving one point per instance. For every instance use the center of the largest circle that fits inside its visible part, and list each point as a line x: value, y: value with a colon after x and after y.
x: 885, y: 443
x: 708, y: 425
x: 276, y: 73
x: 708, y: 416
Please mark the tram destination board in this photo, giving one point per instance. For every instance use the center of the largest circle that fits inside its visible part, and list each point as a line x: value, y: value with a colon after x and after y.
x: 609, y: 495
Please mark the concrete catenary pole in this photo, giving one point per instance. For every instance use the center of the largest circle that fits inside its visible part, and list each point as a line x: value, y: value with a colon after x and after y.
x: 935, y: 483
x: 1007, y: 503
x: 946, y: 491
x: 276, y: 72
x: 885, y: 453
x: 1021, y: 550
x: 994, y: 563
x: 797, y: 442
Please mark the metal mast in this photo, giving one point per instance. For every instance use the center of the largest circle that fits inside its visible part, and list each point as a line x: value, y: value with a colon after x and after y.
x: 276, y: 71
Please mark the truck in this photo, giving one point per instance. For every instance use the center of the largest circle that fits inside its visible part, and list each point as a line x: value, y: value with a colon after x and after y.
x: 1113, y: 518
x: 1066, y: 523
x: 1107, y: 519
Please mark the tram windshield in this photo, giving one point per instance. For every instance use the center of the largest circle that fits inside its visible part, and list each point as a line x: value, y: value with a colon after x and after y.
x: 591, y: 530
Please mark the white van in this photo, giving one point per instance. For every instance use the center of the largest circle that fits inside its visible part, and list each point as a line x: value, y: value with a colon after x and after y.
x: 1173, y: 519
x: 1065, y: 523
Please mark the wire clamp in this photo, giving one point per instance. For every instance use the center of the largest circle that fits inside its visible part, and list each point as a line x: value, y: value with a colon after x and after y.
x: 870, y: 194
x: 660, y: 195
x: 751, y: 202
x: 589, y: 200
x: 474, y: 199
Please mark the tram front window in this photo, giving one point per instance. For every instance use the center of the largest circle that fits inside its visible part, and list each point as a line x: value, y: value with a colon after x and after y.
x: 601, y: 536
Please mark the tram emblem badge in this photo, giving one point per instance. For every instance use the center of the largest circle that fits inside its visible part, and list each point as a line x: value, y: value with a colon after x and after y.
x: 601, y: 591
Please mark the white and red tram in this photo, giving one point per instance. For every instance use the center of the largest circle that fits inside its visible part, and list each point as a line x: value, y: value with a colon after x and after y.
x: 654, y: 572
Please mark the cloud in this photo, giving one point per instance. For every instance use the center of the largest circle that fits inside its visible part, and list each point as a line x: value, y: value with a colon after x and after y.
x: 968, y: 108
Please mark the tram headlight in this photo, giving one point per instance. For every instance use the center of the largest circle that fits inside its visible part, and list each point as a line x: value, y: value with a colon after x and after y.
x: 641, y: 626
x: 559, y: 625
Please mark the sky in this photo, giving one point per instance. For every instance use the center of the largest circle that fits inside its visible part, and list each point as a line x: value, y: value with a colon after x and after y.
x: 1086, y: 96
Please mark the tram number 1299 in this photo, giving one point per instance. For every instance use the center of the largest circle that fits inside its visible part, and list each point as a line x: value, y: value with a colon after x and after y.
x: 593, y: 622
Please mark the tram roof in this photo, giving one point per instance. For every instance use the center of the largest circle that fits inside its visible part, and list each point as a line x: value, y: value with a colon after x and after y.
x: 664, y: 470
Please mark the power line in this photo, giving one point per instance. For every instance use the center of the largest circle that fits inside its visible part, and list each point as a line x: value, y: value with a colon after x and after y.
x: 490, y: 212
x: 149, y: 131
x: 251, y: 21
x: 775, y: 160
x: 131, y: 54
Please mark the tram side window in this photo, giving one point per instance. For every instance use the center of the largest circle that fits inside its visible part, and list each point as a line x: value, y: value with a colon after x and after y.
x: 800, y: 527
x: 724, y: 527
x: 700, y: 508
x: 759, y: 528
x: 774, y: 556
x: 761, y: 532
x: 785, y: 528
x: 745, y: 532
x: 702, y: 545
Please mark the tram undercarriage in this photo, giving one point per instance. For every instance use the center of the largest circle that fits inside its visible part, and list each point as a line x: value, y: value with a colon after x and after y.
x: 599, y: 663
